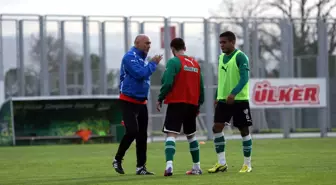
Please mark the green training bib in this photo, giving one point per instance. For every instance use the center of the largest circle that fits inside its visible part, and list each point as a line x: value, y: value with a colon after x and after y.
x: 228, y: 79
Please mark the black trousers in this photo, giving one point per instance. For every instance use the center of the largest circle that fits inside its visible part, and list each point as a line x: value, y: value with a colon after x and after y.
x: 135, y: 118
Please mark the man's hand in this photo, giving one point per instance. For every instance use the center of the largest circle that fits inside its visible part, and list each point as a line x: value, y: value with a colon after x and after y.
x: 230, y: 99
x: 156, y: 59
x: 158, y: 106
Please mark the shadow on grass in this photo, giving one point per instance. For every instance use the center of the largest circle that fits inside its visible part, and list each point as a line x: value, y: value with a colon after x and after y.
x: 113, y: 179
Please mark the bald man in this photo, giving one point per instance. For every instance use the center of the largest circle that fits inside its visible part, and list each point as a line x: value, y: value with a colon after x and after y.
x: 134, y: 86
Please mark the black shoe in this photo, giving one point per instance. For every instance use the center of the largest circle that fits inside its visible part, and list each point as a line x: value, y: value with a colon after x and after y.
x: 118, y: 167
x: 143, y: 171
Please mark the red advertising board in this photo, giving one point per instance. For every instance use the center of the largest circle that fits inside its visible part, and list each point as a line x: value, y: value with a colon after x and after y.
x: 290, y: 93
x: 172, y: 32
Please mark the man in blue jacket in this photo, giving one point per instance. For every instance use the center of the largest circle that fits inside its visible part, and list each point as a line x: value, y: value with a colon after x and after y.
x: 134, y: 87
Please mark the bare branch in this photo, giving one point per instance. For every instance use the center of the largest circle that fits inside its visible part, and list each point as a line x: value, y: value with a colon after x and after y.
x: 226, y: 6
x: 300, y: 1
x: 279, y: 6
x: 329, y: 10
x: 290, y: 8
x: 332, y: 42
x: 256, y: 10
x: 274, y: 39
x: 259, y: 12
x: 304, y: 28
x: 309, y: 10
x: 257, y: 5
x: 269, y: 49
x: 319, y: 8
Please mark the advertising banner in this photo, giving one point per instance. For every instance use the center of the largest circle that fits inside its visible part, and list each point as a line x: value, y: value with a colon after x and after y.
x: 288, y: 93
x: 172, y: 32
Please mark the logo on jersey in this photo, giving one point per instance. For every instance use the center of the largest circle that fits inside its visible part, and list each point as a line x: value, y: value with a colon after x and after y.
x: 190, y: 61
x: 190, y: 69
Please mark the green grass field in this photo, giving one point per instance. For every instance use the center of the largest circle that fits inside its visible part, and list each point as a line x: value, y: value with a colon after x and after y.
x: 275, y: 162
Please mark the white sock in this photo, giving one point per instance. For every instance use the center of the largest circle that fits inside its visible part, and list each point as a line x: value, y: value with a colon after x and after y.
x: 169, y: 164
x: 197, y: 166
x: 247, y: 160
x: 221, y: 158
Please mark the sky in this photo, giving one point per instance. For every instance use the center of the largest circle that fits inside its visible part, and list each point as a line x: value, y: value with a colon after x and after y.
x: 192, y: 8
x: 102, y: 7
x: 110, y: 7
x: 121, y: 8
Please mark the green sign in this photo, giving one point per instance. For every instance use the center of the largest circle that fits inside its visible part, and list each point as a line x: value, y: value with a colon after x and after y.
x: 6, y: 126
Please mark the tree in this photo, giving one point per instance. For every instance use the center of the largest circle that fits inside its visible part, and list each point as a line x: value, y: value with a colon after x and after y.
x: 304, y: 17
x: 12, y: 83
x: 74, y: 64
x: 53, y: 50
x: 304, y: 26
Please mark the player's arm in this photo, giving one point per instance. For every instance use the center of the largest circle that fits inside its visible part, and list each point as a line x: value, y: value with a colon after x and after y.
x: 172, y: 68
x: 201, y: 98
x: 242, y: 63
x: 137, y: 70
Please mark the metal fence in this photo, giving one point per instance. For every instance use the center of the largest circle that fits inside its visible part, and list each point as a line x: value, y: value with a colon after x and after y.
x: 73, y: 55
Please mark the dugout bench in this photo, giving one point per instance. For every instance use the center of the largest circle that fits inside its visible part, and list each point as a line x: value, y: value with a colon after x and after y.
x: 56, y: 119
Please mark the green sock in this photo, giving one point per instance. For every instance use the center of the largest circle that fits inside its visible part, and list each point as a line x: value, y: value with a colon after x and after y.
x: 194, y: 150
x: 247, y: 146
x: 170, y: 148
x: 219, y: 142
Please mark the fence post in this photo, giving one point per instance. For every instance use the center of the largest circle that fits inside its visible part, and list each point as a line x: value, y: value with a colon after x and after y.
x: 167, y: 38
x: 255, y: 66
x: 182, y: 30
x: 20, y: 73
x: 150, y: 114
x: 102, y: 64
x: 208, y: 74
x: 291, y: 68
x: 87, y: 58
x: 322, y: 65
x: 2, y: 70
x: 246, y: 33
x: 44, y: 72
x: 299, y: 75
x: 126, y: 34
x: 63, y: 64
x: 142, y: 28
x: 218, y: 32
x: 284, y: 73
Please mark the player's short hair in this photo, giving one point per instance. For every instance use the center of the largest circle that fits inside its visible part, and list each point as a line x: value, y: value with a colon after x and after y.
x: 229, y: 35
x: 178, y: 44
